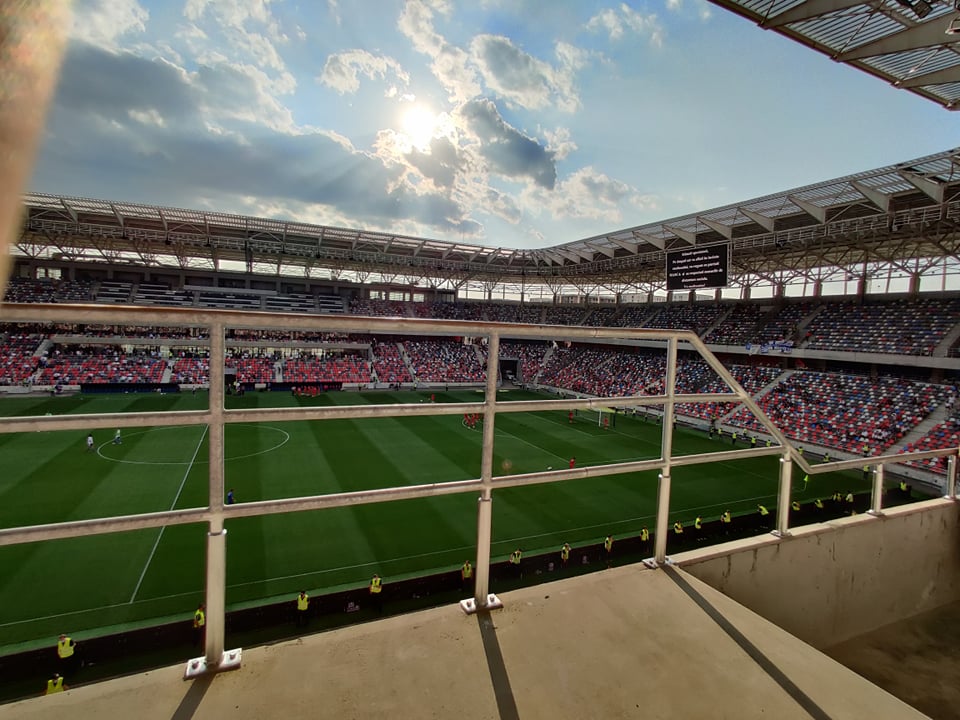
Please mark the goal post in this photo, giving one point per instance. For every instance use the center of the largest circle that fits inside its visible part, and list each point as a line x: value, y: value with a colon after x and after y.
x: 601, y: 417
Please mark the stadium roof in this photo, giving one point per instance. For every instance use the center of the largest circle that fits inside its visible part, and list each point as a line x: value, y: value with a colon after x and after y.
x: 904, y: 211
x: 904, y: 42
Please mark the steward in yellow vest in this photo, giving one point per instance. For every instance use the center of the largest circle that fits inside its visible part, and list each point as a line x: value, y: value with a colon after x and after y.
x: 55, y: 685
x: 303, y: 609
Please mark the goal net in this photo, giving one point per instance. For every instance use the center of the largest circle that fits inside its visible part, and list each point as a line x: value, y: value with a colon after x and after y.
x: 601, y: 417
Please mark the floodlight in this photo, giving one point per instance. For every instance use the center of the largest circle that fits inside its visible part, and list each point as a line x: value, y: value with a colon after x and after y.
x: 922, y: 8
x: 954, y: 27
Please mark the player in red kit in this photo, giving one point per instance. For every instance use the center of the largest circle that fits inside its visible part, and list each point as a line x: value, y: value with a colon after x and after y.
x: 573, y: 462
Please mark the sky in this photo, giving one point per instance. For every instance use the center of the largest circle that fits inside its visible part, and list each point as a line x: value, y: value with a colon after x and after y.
x: 508, y: 123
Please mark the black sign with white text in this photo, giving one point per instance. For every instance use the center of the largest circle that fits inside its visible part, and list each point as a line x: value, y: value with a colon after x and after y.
x: 698, y: 267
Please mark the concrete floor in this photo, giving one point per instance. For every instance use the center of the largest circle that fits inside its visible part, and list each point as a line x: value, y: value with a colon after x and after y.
x: 917, y: 659
x: 623, y: 643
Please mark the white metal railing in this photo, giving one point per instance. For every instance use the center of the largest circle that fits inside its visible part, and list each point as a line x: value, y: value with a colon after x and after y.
x: 216, y: 417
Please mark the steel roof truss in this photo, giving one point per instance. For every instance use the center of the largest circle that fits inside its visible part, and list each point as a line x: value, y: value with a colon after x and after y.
x: 688, y: 237
x: 815, y: 211
x: 926, y: 34
x: 880, y: 199
x: 807, y: 11
x: 725, y: 230
x: 938, y: 77
x: 659, y: 243
x: 603, y: 249
x: 628, y: 246
x: 763, y: 221
x: 929, y: 187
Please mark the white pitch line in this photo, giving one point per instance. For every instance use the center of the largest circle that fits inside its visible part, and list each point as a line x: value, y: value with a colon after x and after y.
x: 173, y: 506
x: 510, y: 541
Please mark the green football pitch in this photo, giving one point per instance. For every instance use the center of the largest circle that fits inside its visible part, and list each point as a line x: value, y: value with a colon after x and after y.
x: 89, y: 584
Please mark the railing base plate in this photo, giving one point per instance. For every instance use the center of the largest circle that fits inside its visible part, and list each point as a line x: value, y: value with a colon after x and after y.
x: 198, y: 666
x: 469, y: 606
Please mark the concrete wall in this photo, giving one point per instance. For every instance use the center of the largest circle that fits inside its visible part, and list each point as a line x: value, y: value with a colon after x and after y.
x: 829, y: 582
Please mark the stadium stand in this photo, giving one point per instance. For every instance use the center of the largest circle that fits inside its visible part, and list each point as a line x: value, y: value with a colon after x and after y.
x: 443, y: 361
x: 945, y: 434
x: 156, y: 294
x: 190, y: 370
x: 290, y: 303
x: 229, y: 300
x: 686, y: 317
x: 602, y: 316
x: 74, y: 365
x: 845, y: 411
x: 530, y: 355
x: 564, y: 315
x: 379, y: 308
x: 252, y: 368
x: 448, y: 310
x: 343, y: 368
x: 47, y: 290
x: 388, y: 365
x: 784, y: 324
x: 602, y: 372
x: 902, y: 327
x: 635, y: 316
x: 111, y: 291
x: 738, y: 326
x: 332, y: 304
x: 695, y: 376
x: 17, y: 361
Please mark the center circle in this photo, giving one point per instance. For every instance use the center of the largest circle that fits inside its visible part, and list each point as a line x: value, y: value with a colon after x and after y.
x: 282, y: 438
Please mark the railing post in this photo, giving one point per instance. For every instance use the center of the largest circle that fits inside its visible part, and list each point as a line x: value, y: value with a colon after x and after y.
x: 952, y: 477
x: 876, y: 494
x: 663, y: 519
x: 216, y: 538
x: 666, y: 454
x: 783, y: 498
x: 483, y: 599
x: 215, y: 659
x: 216, y: 596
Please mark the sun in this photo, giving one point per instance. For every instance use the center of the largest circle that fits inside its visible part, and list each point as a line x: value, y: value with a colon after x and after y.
x: 419, y: 124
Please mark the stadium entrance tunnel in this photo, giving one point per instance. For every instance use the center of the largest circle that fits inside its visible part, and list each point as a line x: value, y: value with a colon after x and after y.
x: 144, y: 648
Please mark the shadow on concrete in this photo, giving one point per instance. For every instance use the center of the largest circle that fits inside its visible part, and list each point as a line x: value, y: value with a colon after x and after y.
x: 193, y: 697
x: 506, y: 703
x: 765, y: 663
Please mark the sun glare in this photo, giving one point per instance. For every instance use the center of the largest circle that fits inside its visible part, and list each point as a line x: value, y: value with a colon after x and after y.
x: 419, y: 124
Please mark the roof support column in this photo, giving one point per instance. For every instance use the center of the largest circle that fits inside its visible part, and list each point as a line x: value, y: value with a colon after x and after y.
x: 914, y: 288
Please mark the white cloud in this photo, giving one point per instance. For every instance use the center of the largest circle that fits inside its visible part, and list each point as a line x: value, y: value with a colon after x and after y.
x: 147, y: 117
x: 342, y: 70
x: 607, y: 20
x: 451, y: 65
x: 587, y: 194
x: 333, y: 7
x: 525, y: 80
x: 236, y: 42
x: 559, y: 142
x: 616, y: 23
x: 104, y: 22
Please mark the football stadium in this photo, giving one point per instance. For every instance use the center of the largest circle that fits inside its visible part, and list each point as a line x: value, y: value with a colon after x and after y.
x: 720, y: 445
